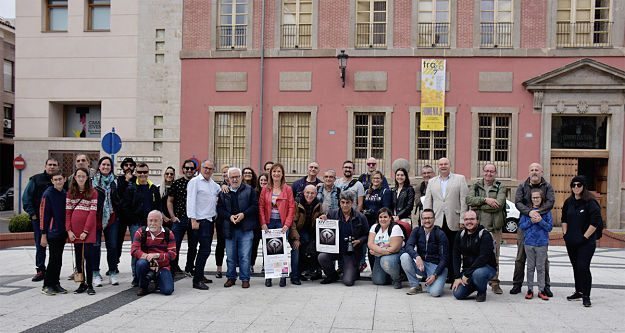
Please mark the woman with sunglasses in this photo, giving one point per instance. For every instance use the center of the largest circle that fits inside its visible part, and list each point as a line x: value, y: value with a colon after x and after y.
x: 168, y: 179
x: 581, y: 216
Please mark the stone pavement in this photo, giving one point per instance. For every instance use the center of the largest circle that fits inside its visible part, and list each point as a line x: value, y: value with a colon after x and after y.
x: 309, y: 307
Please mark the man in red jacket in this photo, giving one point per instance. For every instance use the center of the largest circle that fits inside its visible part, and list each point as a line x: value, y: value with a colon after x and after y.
x: 154, y: 247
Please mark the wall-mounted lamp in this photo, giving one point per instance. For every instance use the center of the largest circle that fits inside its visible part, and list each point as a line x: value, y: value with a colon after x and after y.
x: 342, y: 57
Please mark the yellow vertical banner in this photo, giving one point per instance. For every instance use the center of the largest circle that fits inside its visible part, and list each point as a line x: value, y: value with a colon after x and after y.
x: 432, y: 95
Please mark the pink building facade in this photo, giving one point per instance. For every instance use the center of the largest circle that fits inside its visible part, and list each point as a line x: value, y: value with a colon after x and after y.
x: 526, y: 81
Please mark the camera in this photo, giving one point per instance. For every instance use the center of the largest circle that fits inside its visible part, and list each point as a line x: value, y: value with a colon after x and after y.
x: 350, y: 246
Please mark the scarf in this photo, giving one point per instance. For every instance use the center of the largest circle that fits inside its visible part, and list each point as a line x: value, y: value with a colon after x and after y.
x: 104, y: 182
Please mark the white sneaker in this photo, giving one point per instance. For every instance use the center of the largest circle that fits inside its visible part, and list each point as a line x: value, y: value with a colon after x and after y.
x: 114, y: 280
x: 97, y: 280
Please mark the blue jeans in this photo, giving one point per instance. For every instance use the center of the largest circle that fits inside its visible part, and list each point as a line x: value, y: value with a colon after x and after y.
x: 410, y: 267
x: 133, y: 261
x: 164, y: 280
x: 110, y: 234
x: 179, y: 229
x: 238, y: 249
x: 40, y: 253
x: 478, y: 281
x: 205, y: 238
x: 386, y: 269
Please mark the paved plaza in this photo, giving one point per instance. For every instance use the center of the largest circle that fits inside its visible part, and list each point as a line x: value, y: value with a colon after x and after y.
x: 310, y: 307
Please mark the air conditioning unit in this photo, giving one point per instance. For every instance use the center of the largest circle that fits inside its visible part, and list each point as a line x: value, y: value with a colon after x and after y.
x: 8, y: 124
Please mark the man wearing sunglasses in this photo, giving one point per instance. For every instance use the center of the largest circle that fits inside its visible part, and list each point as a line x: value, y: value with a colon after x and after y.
x: 523, y: 202
x: 139, y: 199
x: 128, y: 166
x: 365, y: 178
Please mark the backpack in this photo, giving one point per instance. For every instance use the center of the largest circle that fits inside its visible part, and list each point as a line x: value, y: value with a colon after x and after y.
x: 389, y: 230
x: 144, y: 238
x: 479, y: 236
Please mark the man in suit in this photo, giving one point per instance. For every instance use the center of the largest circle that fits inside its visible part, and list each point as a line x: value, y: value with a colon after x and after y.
x: 445, y: 195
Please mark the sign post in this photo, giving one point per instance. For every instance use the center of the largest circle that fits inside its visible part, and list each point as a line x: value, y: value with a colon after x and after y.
x: 19, y: 164
x: 112, y: 144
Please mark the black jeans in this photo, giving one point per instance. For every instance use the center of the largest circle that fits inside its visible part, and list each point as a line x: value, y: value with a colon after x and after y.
x: 84, y: 266
x: 580, y: 257
x: 350, y: 266
x: 255, y: 241
x: 55, y: 246
x: 205, y: 238
x: 220, y: 249
x: 451, y: 239
x: 179, y: 229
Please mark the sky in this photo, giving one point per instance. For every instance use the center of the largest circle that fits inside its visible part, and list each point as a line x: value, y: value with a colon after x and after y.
x: 7, y: 8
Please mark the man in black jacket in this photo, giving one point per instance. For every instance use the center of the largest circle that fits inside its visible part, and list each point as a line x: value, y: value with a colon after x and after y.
x: 128, y: 176
x: 475, y: 252
x: 426, y: 256
x: 31, y: 199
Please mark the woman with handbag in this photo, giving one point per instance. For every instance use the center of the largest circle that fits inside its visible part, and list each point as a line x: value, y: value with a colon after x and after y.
x: 81, y: 207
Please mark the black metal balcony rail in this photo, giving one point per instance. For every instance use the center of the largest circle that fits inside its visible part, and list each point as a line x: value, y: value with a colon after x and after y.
x: 433, y: 35
x: 232, y: 36
x: 296, y: 36
x: 584, y: 34
x: 496, y: 35
x: 371, y: 35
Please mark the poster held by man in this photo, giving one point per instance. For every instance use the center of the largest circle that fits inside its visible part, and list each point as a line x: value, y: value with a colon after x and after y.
x: 327, y: 236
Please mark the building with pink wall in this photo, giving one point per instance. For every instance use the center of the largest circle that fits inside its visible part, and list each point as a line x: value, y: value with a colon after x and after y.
x: 526, y: 81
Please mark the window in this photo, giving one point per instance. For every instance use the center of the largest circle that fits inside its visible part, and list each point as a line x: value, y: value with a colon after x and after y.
x: 433, y: 26
x: 82, y: 121
x: 496, y: 23
x: 579, y: 132
x: 296, y: 24
x: 230, y: 138
x: 9, y: 76
x: 56, y: 15
x: 9, y: 125
x: 99, y: 15
x: 583, y: 23
x: 294, y: 141
x: 232, y: 27
x: 371, y: 24
x: 368, y: 138
x: 430, y: 145
x: 494, y: 142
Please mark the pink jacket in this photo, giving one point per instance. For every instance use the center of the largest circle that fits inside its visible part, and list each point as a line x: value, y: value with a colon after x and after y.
x: 285, y: 203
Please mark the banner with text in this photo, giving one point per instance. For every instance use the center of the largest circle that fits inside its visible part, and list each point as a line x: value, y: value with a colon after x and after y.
x: 432, y: 95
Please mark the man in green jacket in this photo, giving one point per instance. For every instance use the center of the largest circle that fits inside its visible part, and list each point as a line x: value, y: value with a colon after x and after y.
x: 488, y: 198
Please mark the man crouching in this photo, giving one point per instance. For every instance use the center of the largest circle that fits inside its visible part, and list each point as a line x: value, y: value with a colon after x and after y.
x: 154, y: 247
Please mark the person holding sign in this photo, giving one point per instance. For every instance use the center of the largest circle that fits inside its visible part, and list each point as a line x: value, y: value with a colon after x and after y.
x: 303, y: 232
x: 386, y: 240
x: 353, y: 234
x: 277, y: 209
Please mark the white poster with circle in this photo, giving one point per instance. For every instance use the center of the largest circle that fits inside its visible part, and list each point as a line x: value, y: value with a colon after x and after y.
x: 327, y: 236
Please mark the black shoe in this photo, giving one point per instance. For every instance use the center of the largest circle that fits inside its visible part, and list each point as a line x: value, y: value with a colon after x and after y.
x: 296, y: 282
x: 206, y: 280
x: 329, y: 279
x: 50, y: 291
x: 316, y: 276
x: 142, y: 292
x: 586, y: 301
x: 480, y: 297
x: 268, y: 283
x: 200, y: 285
x: 303, y: 278
x: 90, y: 291
x: 515, y: 289
x: 575, y: 296
x: 283, y: 282
x: 39, y: 276
x: 134, y: 283
x: 81, y: 289
x: 59, y: 289
x: 218, y: 275
x: 548, y: 292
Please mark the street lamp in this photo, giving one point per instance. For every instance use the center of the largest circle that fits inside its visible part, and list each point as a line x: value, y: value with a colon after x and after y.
x: 342, y: 57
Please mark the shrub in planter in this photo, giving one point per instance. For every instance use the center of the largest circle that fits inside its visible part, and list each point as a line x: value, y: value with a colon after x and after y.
x: 20, y: 223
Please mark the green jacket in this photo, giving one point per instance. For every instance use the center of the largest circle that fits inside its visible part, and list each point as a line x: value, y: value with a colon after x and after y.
x: 491, y: 218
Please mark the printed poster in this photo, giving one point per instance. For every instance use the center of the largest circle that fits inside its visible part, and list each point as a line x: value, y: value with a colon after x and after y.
x: 276, y: 254
x: 432, y: 95
x: 327, y: 233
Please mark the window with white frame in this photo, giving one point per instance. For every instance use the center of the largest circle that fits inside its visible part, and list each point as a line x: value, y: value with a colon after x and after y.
x: 496, y: 23
x: 368, y: 138
x: 294, y: 141
x: 430, y: 145
x: 296, y: 24
x: 494, y: 142
x: 232, y: 28
x: 583, y: 23
x: 371, y: 19
x: 434, y: 20
x: 56, y: 15
x: 229, y: 138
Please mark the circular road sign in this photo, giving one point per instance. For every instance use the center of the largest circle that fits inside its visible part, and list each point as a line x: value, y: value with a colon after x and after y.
x: 19, y: 163
x: 111, y: 143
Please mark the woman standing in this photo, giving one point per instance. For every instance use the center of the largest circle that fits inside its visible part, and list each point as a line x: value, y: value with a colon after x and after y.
x: 403, y: 197
x: 81, y: 208
x: 581, y: 216
x: 263, y: 181
x: 385, y: 243
x: 168, y: 179
x: 104, y: 183
x: 249, y: 177
x: 376, y: 197
x: 277, y: 210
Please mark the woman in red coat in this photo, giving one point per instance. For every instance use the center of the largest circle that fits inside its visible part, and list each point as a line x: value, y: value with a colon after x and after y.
x: 81, y: 207
x: 277, y: 210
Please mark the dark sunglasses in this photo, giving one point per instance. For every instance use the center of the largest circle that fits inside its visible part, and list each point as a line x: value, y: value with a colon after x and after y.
x: 142, y: 172
x: 128, y: 164
x: 371, y: 164
x: 189, y: 168
x: 169, y: 174
x: 579, y: 185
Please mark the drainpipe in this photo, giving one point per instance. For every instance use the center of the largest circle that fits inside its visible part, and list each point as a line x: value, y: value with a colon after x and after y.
x: 262, y: 80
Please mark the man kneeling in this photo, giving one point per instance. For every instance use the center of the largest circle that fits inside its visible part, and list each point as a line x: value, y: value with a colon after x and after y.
x: 475, y: 250
x: 154, y: 247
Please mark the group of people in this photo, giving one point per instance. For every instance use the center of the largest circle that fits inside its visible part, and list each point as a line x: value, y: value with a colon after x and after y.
x: 455, y: 239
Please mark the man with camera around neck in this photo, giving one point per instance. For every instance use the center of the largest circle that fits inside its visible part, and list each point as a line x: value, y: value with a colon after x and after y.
x: 154, y: 247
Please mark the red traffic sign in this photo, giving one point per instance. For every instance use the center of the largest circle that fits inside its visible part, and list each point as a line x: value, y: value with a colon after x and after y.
x: 19, y: 163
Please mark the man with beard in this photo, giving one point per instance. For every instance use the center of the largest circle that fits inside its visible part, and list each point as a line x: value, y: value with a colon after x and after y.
x: 348, y: 183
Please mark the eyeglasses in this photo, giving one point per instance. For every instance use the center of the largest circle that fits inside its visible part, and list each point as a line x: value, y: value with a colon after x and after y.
x: 247, y: 173
x: 128, y: 164
x: 168, y: 174
x: 235, y: 177
x: 578, y: 185
x: 348, y: 167
x: 371, y: 164
x: 142, y: 172
x: 189, y: 168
